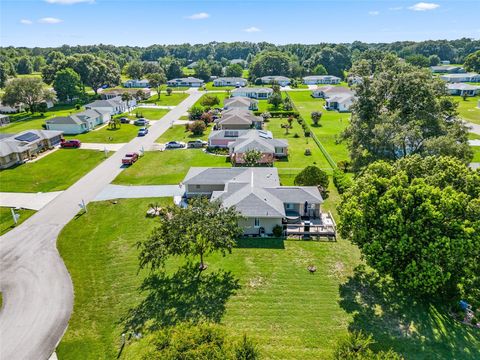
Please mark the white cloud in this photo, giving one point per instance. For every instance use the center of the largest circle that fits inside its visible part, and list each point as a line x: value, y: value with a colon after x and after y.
x: 423, y: 6
x: 395, y: 8
x: 252, y: 29
x: 49, y: 20
x: 26, y: 22
x: 199, y: 16
x: 374, y: 13
x: 69, y: 2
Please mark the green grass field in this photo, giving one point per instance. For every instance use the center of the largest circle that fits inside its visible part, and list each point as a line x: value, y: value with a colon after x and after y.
x: 6, y: 219
x: 150, y: 114
x: 331, y: 125
x: 167, y: 167
x: 209, y: 86
x: 178, y: 133
x: 468, y: 109
x: 56, y: 171
x: 476, y: 153
x: 221, y: 96
x: 26, y: 121
x: 124, y: 133
x: 166, y: 100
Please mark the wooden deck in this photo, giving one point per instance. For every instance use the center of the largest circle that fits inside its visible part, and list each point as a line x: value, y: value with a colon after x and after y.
x: 324, y: 227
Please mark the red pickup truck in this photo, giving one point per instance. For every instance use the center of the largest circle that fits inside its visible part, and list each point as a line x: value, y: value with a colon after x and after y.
x: 70, y: 143
x: 130, y: 158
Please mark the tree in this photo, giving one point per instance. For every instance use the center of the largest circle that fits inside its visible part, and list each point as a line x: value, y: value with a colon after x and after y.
x: 114, y: 123
x: 335, y: 60
x: 403, y: 111
x: 434, y: 60
x: 316, y: 116
x: 418, y: 60
x: 3, y: 74
x: 173, y: 70
x: 103, y: 72
x: 270, y: 63
x: 169, y: 91
x: 234, y: 70
x: 418, y: 221
x: 266, y: 115
x: 30, y: 91
x: 156, y: 80
x: 203, y: 71
x: 287, y: 104
x: 287, y: 127
x: 209, y: 100
x: 197, y: 127
x: 313, y: 176
x: 203, y: 227
x: 195, y: 112
x: 246, y: 350
x: 320, y: 70
x: 24, y: 65
x: 67, y: 84
x: 275, y: 100
x: 472, y: 62
x: 252, y: 157
x: 127, y: 97
x: 38, y: 63
x: 134, y: 70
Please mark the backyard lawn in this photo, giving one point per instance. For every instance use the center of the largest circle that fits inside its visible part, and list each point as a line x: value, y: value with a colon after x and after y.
x: 166, y: 100
x: 468, y: 109
x: 288, y: 312
x: 56, y: 171
x: 331, y: 125
x: 178, y: 133
x: 6, y: 219
x: 167, y: 167
x: 124, y: 133
x: 26, y: 121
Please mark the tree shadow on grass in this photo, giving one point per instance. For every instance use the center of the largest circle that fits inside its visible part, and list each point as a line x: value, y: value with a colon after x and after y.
x: 414, y: 328
x: 185, y: 295
x: 260, y: 243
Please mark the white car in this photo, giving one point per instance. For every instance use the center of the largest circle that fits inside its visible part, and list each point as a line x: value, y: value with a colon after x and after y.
x: 174, y: 145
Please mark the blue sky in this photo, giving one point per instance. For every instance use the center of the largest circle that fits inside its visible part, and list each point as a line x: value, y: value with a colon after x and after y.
x: 142, y: 23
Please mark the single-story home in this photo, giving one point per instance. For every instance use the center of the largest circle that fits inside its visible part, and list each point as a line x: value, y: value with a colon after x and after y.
x: 113, y: 106
x: 78, y: 123
x: 270, y: 148
x: 4, y: 119
x: 239, y: 102
x: 442, y: 69
x: 230, y: 81
x: 108, y: 94
x: 186, y: 82
x: 336, y: 97
x: 221, y: 138
x: 136, y: 83
x: 17, y: 148
x: 238, y: 119
x: 463, y: 89
x: 321, y: 79
x: 456, y: 78
x: 256, y: 194
x: 275, y: 79
x: 253, y: 93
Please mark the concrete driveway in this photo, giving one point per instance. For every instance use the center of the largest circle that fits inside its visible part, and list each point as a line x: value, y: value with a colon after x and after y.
x: 35, y: 284
x: 102, y: 146
x: 111, y: 191
x: 33, y: 201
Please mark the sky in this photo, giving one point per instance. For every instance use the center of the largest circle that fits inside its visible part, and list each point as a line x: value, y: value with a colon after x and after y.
x: 45, y: 23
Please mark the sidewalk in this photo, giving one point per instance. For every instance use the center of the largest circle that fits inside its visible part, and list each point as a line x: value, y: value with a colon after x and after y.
x: 33, y: 201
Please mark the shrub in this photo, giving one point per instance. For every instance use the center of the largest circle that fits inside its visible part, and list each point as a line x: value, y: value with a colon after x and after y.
x: 246, y: 349
x: 313, y: 176
x: 296, y: 136
x: 341, y: 181
x: 210, y: 100
x: 308, y: 152
x: 277, y: 231
x: 344, y: 165
x: 280, y: 114
x: 197, y: 127
x: 195, y: 113
x: 217, y: 150
x: 316, y: 116
x: 169, y: 91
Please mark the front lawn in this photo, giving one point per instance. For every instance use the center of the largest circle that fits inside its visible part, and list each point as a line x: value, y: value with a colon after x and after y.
x: 56, y: 171
x: 166, y: 100
x: 178, y: 133
x: 221, y: 96
x: 476, y: 153
x: 167, y: 167
x: 147, y: 113
x: 468, y: 109
x: 6, y: 219
x: 122, y: 134
x: 209, y: 86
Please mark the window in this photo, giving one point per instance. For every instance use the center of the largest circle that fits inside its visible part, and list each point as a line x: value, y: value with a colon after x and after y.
x: 257, y: 222
x: 289, y: 206
x: 197, y: 186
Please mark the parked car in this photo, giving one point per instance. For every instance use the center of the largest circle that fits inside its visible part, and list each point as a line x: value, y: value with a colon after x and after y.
x: 124, y: 120
x: 196, y: 143
x: 130, y: 158
x: 74, y: 143
x: 142, y: 131
x: 174, y: 145
x: 141, y: 122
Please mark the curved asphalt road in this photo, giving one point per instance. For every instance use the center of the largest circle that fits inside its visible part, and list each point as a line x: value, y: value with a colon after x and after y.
x: 35, y: 284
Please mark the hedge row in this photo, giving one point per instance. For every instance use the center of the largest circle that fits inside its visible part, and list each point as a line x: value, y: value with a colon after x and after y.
x: 341, y: 181
x: 280, y: 114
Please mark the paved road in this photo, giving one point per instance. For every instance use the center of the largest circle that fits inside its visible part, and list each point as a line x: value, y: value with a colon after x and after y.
x: 35, y: 284
x: 111, y: 191
x: 474, y: 128
x: 33, y: 201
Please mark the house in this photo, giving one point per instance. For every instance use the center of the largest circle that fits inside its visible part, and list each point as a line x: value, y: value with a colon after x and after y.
x: 262, y: 141
x: 78, y: 123
x: 321, y: 79
x: 113, y: 106
x: 230, y: 81
x: 18, y: 148
x: 108, y: 94
x: 255, y: 192
x: 241, y: 62
x: 445, y: 62
x: 144, y: 83
x: 456, y: 78
x: 336, y: 97
x: 462, y: 89
x: 185, y: 82
x: 239, y: 102
x: 221, y: 138
x: 253, y: 93
x: 238, y: 119
x: 4, y: 120
x: 441, y: 69
x: 275, y: 79
x: 192, y: 65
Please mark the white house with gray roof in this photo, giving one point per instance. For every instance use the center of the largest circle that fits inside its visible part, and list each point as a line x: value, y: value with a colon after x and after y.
x: 256, y: 194
x: 112, y: 106
x: 337, y: 98
x: 462, y: 89
x: 252, y: 93
x: 275, y: 79
x: 240, y: 102
x: 78, y: 123
x: 136, y: 83
x: 185, y: 82
x: 321, y: 79
x: 456, y: 78
x: 230, y: 81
